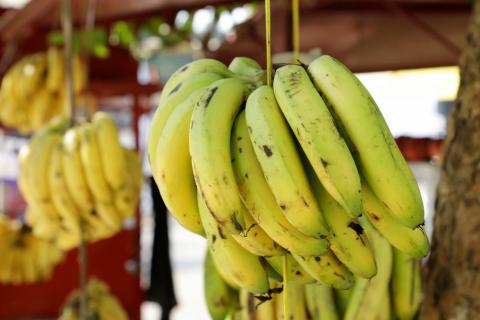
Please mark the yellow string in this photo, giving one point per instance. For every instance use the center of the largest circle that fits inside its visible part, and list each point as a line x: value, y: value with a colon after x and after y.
x: 296, y: 30
x: 285, y: 289
x: 268, y: 42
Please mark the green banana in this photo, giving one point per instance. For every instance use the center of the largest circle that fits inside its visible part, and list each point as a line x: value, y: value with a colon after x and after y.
x: 210, y: 129
x: 364, y: 300
x: 313, y: 125
x: 219, y: 296
x: 294, y: 296
x: 342, y: 298
x: 243, y: 268
x: 385, y: 309
x: 376, y: 152
x: 406, y: 286
x: 320, y: 302
x: 326, y: 269
x: 167, y: 104
x: 411, y: 241
x: 281, y: 165
x: 175, y: 179
x: 347, y: 239
x: 259, y: 200
x: 250, y: 69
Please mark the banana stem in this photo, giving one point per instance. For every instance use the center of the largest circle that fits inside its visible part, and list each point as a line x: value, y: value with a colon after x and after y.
x: 268, y: 42
x: 296, y: 30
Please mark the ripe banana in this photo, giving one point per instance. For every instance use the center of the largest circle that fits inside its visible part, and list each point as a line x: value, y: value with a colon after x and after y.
x: 75, y: 176
x: 385, y: 309
x: 411, y: 241
x: 167, y: 104
x: 293, y: 295
x: 260, y: 201
x: 347, y: 239
x: 364, y: 301
x: 61, y: 198
x: 219, y: 296
x: 406, y: 285
x: 326, y: 269
x: 252, y: 308
x: 313, y: 125
x: 320, y: 302
x: 175, y: 176
x: 92, y: 164
x: 127, y: 197
x: 41, y: 103
x: 376, y: 152
x: 210, y: 129
x: 55, y: 69
x: 281, y: 165
x: 80, y: 76
x: 191, y: 69
x: 111, y: 152
x: 243, y: 268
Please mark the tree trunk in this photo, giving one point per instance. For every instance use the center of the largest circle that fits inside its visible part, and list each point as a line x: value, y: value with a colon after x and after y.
x: 452, y: 278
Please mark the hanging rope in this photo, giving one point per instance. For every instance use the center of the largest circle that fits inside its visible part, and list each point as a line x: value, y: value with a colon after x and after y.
x: 296, y: 31
x: 268, y: 42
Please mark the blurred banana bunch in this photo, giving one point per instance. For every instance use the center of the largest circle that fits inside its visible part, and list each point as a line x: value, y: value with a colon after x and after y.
x: 33, y: 90
x: 102, y: 304
x: 25, y: 258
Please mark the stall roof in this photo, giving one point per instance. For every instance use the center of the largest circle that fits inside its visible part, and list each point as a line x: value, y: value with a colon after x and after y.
x: 367, y: 35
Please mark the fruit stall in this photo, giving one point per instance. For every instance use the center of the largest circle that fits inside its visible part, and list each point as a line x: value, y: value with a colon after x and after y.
x: 301, y: 148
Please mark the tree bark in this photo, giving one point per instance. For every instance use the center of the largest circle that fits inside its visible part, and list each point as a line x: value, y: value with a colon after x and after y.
x: 452, y: 277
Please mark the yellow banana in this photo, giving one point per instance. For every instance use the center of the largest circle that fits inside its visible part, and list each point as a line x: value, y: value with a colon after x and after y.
x: 55, y: 69
x: 210, y: 129
x: 320, y: 302
x: 281, y: 165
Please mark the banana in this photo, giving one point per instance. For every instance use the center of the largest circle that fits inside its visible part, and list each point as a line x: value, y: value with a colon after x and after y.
x: 192, y: 69
x: 252, y: 309
x: 55, y: 69
x: 364, y: 300
x: 41, y: 103
x: 281, y: 165
x: 249, y: 70
x: 127, y: 197
x: 109, y: 215
x: 32, y: 73
x: 295, y: 273
x: 313, y: 125
x: 175, y: 179
x: 259, y: 200
x: 406, y: 285
x: 346, y: 236
x: 385, y: 309
x: 60, y: 196
x: 92, y: 164
x: 245, y: 269
x: 320, y: 302
x: 110, y: 308
x: 167, y: 104
x: 210, y: 129
x: 80, y: 76
x: 75, y: 175
x: 326, y: 269
x: 375, y: 150
x: 256, y: 240
x: 411, y: 241
x: 342, y: 298
x: 41, y: 147
x: 111, y: 152
x: 219, y: 296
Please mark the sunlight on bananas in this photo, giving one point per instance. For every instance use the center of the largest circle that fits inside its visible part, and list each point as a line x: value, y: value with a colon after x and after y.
x: 306, y: 170
x: 33, y: 89
x: 102, y: 304
x: 79, y: 178
x: 25, y: 258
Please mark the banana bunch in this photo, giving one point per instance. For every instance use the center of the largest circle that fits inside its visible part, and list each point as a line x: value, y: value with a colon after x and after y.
x: 33, y: 90
x: 78, y: 178
x: 306, y: 171
x: 393, y: 293
x: 102, y: 304
x: 25, y: 258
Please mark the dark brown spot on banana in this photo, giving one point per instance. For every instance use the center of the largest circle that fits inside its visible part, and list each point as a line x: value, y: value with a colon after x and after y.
x: 324, y: 162
x: 267, y: 150
x: 210, y: 96
x: 356, y: 227
x: 175, y: 89
x: 283, y: 207
x: 317, y: 259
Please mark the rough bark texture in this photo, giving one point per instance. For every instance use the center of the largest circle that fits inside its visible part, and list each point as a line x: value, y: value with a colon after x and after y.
x: 452, y: 278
